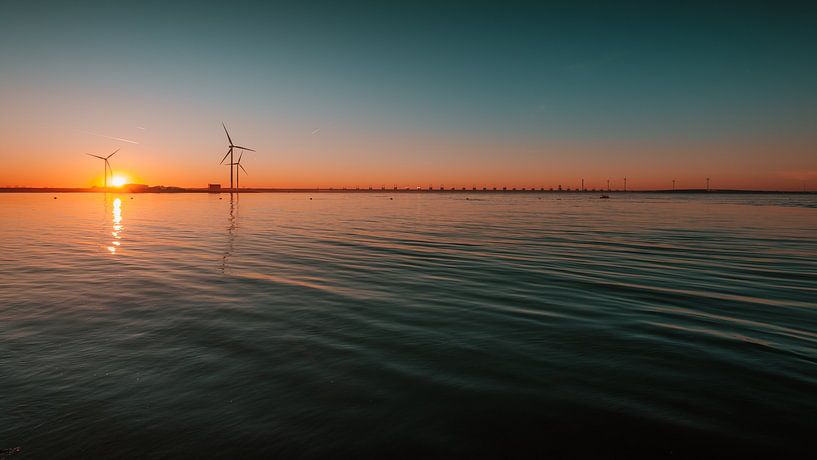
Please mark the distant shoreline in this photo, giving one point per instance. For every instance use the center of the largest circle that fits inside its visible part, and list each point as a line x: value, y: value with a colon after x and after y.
x: 388, y: 190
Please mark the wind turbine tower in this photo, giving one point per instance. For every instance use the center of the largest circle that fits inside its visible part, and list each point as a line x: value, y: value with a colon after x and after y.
x: 237, y: 165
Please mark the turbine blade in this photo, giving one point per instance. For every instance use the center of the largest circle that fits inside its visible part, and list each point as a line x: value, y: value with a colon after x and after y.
x: 114, y: 153
x: 239, y: 157
x: 96, y: 156
x: 242, y: 168
x: 228, y: 134
x: 230, y: 150
x: 244, y: 148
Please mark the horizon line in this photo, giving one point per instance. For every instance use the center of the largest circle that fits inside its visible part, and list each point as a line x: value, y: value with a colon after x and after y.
x: 175, y: 189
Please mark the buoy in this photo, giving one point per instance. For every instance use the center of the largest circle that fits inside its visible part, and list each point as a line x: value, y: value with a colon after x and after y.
x: 55, y: 198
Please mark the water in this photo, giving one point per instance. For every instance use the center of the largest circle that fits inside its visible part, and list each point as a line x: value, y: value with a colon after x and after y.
x: 427, y: 325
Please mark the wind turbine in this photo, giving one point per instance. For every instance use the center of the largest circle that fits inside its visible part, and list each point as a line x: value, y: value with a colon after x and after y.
x: 107, y: 165
x: 230, y: 153
x: 237, y: 165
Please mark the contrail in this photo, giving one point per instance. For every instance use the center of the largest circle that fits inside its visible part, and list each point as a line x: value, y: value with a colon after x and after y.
x: 109, y: 137
x: 316, y: 131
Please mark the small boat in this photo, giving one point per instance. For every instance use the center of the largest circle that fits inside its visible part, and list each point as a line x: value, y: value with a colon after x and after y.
x: 604, y: 197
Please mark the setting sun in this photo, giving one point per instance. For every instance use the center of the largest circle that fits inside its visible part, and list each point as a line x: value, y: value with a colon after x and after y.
x: 119, y: 181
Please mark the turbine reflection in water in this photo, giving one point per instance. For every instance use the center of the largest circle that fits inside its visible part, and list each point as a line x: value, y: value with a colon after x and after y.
x: 117, y: 226
x: 230, y: 232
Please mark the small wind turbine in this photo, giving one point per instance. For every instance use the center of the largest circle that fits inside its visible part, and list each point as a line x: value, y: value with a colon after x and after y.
x: 107, y: 165
x: 237, y: 165
x: 230, y: 153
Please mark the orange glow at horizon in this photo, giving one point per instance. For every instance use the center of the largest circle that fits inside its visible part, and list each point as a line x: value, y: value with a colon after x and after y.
x: 374, y: 160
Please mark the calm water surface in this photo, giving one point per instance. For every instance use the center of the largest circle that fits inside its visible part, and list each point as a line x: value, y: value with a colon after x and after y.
x: 442, y: 325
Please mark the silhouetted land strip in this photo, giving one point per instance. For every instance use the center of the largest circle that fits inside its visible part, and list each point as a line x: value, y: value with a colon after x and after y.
x: 384, y: 190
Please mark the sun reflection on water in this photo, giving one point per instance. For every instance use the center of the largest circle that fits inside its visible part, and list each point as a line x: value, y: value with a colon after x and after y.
x: 117, y: 226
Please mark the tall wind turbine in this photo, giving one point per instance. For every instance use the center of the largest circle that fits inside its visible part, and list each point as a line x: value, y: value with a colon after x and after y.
x: 237, y: 165
x: 107, y: 165
x: 230, y: 153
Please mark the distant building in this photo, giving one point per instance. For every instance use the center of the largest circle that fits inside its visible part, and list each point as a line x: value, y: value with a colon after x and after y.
x: 213, y: 187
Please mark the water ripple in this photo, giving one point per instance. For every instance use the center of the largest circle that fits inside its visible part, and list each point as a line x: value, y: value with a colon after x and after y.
x: 425, y: 325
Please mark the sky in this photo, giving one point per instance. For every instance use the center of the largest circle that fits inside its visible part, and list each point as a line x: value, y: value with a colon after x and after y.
x: 346, y: 94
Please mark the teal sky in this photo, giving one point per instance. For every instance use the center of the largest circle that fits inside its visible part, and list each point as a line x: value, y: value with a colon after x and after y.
x: 428, y: 92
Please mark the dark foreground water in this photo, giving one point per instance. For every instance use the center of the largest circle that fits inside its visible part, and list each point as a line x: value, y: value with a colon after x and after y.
x: 442, y: 325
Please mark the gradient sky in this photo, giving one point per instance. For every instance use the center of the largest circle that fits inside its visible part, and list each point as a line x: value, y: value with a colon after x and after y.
x: 411, y: 93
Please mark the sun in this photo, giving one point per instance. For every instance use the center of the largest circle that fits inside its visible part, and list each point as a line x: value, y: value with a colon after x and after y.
x: 119, y: 181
